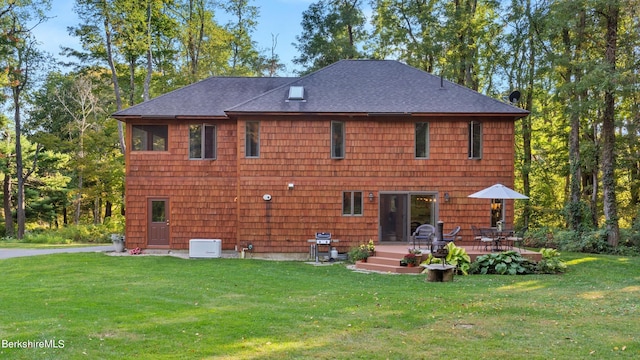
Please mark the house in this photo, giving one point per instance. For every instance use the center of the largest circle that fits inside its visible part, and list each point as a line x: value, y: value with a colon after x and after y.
x: 363, y: 149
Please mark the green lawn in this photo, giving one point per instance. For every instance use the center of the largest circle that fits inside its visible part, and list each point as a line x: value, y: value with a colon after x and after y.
x: 15, y: 244
x: 105, y: 307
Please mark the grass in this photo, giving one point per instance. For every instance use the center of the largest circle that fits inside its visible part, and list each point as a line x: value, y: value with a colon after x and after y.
x: 15, y: 244
x: 106, y: 307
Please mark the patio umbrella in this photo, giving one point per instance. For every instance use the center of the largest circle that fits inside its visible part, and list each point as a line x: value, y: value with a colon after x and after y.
x: 498, y: 191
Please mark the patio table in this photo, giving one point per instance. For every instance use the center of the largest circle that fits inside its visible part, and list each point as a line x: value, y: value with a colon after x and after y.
x: 498, y: 236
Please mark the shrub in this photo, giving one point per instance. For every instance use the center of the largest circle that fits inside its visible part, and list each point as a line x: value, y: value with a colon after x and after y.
x: 550, y: 263
x: 567, y: 240
x: 629, y: 242
x: 45, y: 238
x: 76, y: 234
x: 504, y: 263
x: 356, y: 254
x: 456, y: 256
x: 539, y: 238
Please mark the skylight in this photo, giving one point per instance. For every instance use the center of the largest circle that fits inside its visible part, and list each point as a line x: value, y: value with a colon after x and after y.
x: 296, y: 93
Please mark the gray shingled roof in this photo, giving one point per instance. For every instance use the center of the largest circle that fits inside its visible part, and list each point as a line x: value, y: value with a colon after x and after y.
x: 376, y: 86
x: 209, y: 97
x: 347, y: 86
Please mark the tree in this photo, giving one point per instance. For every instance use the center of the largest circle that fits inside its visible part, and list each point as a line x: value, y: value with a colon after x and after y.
x: 80, y: 102
x: 520, y: 67
x: 69, y: 117
x: 203, y: 44
x: 611, y: 13
x: 410, y: 31
x: 332, y: 30
x: 245, y: 59
x: 21, y: 59
x: 98, y: 47
x: 459, y: 39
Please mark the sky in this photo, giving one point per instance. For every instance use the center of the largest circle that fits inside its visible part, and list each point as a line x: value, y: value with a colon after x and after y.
x: 277, y: 17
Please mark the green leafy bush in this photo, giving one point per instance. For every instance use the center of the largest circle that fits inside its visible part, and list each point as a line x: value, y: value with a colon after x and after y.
x: 361, y: 252
x: 567, y: 240
x: 46, y: 238
x: 456, y: 256
x: 550, y: 263
x: 538, y: 238
x: 504, y: 263
x: 76, y: 234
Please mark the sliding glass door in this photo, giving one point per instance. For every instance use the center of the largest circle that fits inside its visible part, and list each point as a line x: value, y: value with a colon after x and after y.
x: 402, y: 212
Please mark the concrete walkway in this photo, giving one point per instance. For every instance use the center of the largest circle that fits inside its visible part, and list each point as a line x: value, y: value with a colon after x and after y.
x: 13, y: 253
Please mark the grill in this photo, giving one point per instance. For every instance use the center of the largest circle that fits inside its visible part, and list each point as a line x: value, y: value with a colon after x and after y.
x: 323, y: 238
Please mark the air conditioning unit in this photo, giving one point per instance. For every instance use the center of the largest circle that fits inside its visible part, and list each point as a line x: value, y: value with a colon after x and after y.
x: 205, y: 248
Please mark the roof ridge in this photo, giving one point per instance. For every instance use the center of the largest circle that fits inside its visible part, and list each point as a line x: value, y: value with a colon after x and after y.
x: 262, y: 94
x: 306, y: 77
x: 203, y: 81
x: 285, y: 85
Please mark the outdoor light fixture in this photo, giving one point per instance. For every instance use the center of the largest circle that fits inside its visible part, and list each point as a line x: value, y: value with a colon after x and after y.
x: 446, y: 197
x: 370, y: 196
x: 290, y: 186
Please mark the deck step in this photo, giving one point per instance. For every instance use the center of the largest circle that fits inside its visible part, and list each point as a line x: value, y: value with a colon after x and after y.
x: 389, y: 268
x: 387, y: 258
x: 389, y: 262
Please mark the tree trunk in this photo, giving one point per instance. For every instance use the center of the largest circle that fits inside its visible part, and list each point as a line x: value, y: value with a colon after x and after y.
x: 20, y: 214
x: 8, y: 208
x: 114, y: 76
x: 608, y: 128
x: 573, y: 75
x: 526, y: 122
x: 107, y: 209
x: 97, y: 211
x: 147, y: 80
x: 78, y: 201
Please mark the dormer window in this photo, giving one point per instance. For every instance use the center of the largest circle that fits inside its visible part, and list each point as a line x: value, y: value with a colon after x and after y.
x: 296, y: 93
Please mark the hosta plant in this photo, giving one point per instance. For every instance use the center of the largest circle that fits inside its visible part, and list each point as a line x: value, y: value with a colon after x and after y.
x: 504, y: 263
x: 456, y: 256
x: 550, y: 263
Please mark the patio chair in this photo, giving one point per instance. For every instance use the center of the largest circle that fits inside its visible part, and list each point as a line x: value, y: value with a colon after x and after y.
x: 517, y: 238
x: 423, y: 232
x: 477, y: 237
x: 487, y: 238
x: 481, y: 237
x: 451, y: 236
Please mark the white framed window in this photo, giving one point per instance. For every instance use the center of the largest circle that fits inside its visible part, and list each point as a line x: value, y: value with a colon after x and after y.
x: 202, y: 142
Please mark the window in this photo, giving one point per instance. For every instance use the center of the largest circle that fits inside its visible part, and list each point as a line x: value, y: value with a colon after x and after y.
x: 497, y: 211
x: 296, y: 93
x: 422, y: 140
x: 337, y: 140
x: 475, y: 140
x: 149, y: 137
x: 202, y: 142
x: 352, y: 203
x: 252, y: 139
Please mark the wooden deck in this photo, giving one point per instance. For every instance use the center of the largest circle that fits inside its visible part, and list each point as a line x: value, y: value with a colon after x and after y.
x: 387, y: 258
